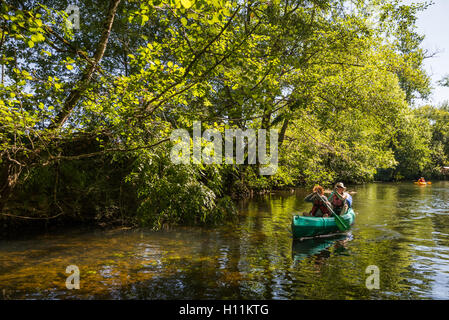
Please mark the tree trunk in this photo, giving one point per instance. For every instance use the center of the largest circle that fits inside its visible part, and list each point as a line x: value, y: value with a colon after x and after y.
x: 83, y: 83
x: 9, y: 178
x: 282, y: 132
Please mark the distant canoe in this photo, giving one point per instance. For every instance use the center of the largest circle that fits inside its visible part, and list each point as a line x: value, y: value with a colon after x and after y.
x: 315, y: 226
x: 423, y: 183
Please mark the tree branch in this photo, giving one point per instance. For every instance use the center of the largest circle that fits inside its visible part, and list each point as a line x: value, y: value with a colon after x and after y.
x: 76, y: 93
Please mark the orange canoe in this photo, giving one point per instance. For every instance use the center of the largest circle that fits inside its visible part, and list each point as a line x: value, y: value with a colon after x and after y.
x: 422, y: 183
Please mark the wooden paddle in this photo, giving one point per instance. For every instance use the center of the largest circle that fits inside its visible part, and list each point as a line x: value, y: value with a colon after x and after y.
x: 341, y: 223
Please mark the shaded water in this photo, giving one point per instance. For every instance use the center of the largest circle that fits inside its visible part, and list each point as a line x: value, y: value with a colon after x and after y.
x: 403, y: 229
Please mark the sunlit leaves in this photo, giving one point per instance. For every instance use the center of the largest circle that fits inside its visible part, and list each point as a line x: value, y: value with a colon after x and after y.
x: 186, y: 3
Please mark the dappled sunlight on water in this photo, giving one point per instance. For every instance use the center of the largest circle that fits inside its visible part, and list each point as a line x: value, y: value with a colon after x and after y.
x: 402, y: 228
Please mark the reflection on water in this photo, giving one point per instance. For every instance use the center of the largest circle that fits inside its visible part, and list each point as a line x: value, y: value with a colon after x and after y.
x: 401, y: 228
x: 320, y: 246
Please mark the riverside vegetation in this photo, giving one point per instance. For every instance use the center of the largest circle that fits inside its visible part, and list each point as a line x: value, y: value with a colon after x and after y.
x: 86, y: 113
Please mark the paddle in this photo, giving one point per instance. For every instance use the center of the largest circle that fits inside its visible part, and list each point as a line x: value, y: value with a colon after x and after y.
x: 341, y: 224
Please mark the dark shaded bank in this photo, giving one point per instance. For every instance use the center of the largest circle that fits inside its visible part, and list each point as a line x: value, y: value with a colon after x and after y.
x: 118, y: 190
x: 71, y: 193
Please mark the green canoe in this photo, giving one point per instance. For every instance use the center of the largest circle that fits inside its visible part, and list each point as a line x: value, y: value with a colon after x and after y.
x: 314, y: 226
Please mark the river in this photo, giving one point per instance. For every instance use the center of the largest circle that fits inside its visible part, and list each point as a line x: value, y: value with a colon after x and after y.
x: 401, y: 230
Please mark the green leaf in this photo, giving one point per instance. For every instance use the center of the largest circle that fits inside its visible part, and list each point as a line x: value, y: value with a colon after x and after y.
x: 186, y: 3
x: 38, y: 37
x: 145, y: 18
x: 30, y: 43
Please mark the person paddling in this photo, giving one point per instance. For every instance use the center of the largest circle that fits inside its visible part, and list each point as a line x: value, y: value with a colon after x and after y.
x: 422, y: 180
x: 338, y: 198
x: 320, y: 203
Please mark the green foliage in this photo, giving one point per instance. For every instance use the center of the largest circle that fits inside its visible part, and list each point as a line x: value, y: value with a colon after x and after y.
x: 411, y: 146
x: 170, y: 194
x: 88, y: 191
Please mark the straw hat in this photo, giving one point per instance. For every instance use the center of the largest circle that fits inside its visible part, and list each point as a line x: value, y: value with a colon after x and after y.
x: 340, y: 185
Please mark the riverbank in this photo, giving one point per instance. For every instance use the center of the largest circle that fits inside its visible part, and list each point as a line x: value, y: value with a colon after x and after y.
x: 11, y: 227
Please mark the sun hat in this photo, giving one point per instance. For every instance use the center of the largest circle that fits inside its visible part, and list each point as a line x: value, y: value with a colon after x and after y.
x: 340, y: 185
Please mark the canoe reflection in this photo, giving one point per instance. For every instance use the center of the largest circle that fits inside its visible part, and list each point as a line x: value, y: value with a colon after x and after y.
x: 319, y: 246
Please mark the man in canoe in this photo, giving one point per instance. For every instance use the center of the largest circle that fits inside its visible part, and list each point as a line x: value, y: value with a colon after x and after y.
x: 422, y: 180
x: 338, y: 199
x: 320, y: 203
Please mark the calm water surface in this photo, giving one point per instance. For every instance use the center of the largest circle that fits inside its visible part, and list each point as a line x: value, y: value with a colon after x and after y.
x: 403, y: 229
